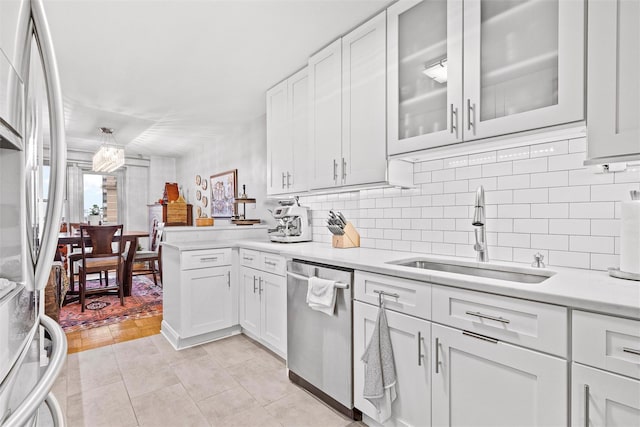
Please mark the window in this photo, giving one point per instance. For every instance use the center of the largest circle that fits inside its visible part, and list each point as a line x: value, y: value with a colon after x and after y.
x: 101, y: 190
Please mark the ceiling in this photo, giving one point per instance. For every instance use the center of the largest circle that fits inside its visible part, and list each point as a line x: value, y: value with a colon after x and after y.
x: 168, y: 75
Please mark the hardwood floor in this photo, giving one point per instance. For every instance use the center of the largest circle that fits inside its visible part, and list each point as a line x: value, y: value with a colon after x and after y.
x: 111, y: 334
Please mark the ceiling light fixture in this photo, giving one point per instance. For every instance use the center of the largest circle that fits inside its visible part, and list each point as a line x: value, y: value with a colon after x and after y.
x: 109, y: 157
x: 437, y: 71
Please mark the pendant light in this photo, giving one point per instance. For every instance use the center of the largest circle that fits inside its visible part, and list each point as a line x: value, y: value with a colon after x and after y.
x: 109, y: 157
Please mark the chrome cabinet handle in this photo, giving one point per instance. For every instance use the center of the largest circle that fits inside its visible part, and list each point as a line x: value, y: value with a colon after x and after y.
x: 260, y: 285
x: 211, y: 258
x: 486, y: 316
x: 254, y: 284
x: 344, y: 169
x: 382, y: 294
x: 480, y: 337
x: 437, y: 348
x: 586, y: 405
x: 454, y: 119
x: 470, y: 121
x: 335, y: 170
x: 283, y: 177
x: 420, y: 355
x: 246, y: 258
x: 271, y: 263
x: 288, y: 181
x: 631, y: 350
x: 229, y: 279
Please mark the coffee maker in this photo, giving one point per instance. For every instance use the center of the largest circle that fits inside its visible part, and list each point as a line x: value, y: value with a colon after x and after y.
x: 293, y: 223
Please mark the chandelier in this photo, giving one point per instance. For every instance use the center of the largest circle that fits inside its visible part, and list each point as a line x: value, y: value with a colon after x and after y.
x: 109, y: 157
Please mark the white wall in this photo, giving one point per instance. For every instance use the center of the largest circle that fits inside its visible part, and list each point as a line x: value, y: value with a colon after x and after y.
x: 244, y: 148
x: 161, y: 171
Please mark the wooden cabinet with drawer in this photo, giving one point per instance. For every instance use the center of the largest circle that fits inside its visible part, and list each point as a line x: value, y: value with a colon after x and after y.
x: 402, y: 295
x: 530, y: 324
x: 200, y: 299
x: 480, y: 376
x: 605, y: 378
x: 408, y: 309
x: 205, y: 258
x: 607, y: 342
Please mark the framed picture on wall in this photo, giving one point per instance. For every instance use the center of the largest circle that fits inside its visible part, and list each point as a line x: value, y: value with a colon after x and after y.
x: 223, y: 193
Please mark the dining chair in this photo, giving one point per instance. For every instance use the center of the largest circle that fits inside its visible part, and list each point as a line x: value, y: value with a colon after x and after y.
x: 151, y: 258
x: 101, y: 258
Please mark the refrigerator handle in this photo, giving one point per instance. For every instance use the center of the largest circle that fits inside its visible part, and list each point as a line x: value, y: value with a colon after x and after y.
x: 58, y: 146
x: 41, y: 391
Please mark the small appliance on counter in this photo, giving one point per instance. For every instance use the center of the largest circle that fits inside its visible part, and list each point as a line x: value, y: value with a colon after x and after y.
x: 293, y: 223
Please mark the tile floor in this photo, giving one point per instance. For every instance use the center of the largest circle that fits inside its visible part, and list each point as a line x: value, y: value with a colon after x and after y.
x: 145, y: 382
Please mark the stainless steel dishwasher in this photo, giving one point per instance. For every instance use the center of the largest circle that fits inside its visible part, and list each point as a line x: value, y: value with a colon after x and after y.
x: 320, y: 347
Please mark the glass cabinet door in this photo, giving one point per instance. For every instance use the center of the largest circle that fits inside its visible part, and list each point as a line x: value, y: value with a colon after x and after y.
x: 524, y: 65
x: 424, y: 66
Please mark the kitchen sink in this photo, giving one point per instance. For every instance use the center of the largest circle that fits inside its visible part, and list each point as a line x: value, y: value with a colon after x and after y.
x: 513, y: 274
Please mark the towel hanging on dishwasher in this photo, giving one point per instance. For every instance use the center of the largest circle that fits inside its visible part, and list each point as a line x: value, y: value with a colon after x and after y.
x: 380, y: 371
x: 321, y: 295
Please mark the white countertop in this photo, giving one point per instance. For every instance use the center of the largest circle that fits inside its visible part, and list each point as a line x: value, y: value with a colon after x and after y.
x: 575, y: 288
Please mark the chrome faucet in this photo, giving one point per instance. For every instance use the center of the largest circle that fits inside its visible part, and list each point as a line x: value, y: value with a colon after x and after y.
x: 479, y: 220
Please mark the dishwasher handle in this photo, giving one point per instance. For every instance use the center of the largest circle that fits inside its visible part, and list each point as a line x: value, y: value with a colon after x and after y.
x: 339, y: 285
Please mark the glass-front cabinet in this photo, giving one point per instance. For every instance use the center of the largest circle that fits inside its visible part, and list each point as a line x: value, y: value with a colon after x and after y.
x: 523, y: 65
x: 424, y: 65
x: 464, y: 71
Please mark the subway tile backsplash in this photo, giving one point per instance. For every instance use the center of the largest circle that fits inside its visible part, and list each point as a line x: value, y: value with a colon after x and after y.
x: 539, y: 198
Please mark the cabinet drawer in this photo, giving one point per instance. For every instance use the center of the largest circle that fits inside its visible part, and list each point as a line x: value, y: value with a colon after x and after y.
x: 249, y: 258
x: 205, y: 258
x: 272, y: 263
x: 530, y: 324
x: 607, y: 342
x: 412, y: 298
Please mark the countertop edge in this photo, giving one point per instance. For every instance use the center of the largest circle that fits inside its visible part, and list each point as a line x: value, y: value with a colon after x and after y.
x: 595, y: 292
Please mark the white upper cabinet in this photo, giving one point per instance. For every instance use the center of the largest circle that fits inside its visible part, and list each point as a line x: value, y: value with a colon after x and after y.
x: 424, y: 65
x: 287, y: 122
x: 297, y: 172
x: 278, y: 138
x: 613, y: 86
x: 364, y: 147
x: 464, y: 71
x: 523, y: 65
x: 347, y: 114
x: 325, y: 115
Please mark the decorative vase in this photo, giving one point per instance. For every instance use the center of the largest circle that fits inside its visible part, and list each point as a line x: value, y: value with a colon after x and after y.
x: 93, y: 219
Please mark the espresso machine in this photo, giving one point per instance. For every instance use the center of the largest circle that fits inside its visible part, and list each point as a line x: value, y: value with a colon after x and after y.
x: 293, y: 223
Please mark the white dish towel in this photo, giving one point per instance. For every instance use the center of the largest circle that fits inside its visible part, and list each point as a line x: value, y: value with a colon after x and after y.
x: 321, y: 295
x: 380, y: 372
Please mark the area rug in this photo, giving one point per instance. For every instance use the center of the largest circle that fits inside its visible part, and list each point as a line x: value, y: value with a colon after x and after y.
x: 145, y: 301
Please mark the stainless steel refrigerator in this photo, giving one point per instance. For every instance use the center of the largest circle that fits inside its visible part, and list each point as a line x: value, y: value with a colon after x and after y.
x: 32, y: 179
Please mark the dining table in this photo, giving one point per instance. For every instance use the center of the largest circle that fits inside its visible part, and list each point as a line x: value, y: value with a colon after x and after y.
x: 66, y: 238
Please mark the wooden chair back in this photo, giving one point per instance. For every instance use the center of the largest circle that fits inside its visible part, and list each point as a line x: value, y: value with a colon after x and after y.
x: 102, y: 237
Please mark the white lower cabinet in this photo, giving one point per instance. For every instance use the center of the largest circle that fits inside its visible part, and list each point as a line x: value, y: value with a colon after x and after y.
x: 602, y: 398
x: 478, y: 381
x: 604, y: 343
x: 263, y: 311
x: 200, y: 300
x: 410, y: 339
x: 207, y: 301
